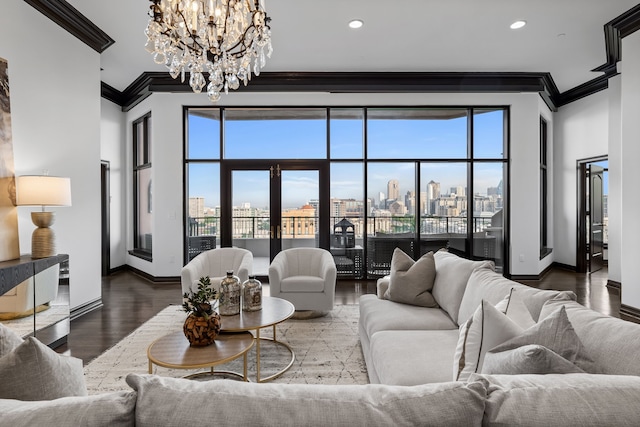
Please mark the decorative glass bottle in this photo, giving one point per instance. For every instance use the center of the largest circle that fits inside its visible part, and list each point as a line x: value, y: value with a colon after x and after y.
x: 230, y: 290
x: 252, y: 294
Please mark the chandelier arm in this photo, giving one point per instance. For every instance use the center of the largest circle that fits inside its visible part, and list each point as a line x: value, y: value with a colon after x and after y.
x: 191, y: 34
x: 242, y: 39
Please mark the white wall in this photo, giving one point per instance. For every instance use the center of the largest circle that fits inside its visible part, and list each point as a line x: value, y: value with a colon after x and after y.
x: 55, y: 102
x: 112, y: 149
x: 615, y: 179
x: 581, y: 131
x: 167, y: 154
x: 630, y: 160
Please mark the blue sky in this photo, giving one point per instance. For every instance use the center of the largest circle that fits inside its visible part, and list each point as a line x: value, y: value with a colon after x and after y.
x: 306, y: 139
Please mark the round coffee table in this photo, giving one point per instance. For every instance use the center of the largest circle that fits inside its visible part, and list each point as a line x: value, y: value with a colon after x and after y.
x: 173, y: 351
x: 274, y: 311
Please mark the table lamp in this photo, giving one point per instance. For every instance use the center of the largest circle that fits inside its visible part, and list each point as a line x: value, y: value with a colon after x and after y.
x: 43, y: 190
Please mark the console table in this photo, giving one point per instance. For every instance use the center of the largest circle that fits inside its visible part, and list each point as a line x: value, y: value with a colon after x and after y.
x: 50, y: 326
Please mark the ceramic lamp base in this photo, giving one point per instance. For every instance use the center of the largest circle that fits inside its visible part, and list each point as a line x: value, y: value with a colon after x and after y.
x: 43, y: 239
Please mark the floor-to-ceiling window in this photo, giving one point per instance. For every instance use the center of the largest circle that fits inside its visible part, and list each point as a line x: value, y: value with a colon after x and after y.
x: 357, y: 181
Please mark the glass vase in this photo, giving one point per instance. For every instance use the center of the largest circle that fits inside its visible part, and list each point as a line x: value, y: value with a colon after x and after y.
x: 230, y: 290
x: 252, y: 294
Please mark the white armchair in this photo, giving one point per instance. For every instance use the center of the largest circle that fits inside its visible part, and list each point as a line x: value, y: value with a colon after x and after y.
x: 215, y: 263
x: 306, y: 277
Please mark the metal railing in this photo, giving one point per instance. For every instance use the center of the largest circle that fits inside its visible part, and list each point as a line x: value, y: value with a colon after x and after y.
x: 258, y: 227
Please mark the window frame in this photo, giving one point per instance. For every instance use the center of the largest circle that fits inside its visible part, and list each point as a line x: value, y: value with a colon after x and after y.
x: 144, y: 124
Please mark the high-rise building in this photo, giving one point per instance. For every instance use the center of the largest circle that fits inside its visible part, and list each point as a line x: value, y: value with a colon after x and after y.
x: 393, y: 189
x: 410, y: 201
x: 196, y: 207
x: 433, y: 194
x: 423, y: 202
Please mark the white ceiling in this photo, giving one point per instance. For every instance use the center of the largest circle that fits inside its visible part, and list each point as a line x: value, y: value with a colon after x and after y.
x: 563, y: 37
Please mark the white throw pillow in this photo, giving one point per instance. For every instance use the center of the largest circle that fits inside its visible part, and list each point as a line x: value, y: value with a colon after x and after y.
x: 487, y: 328
x: 410, y: 282
x: 554, y: 332
x: 514, y: 307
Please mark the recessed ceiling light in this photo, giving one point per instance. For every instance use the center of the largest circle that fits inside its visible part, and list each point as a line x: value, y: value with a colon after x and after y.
x: 356, y: 23
x: 518, y: 24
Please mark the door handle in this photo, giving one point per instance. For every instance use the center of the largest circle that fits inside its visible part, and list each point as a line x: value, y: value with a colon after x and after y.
x: 271, y: 232
x: 278, y: 232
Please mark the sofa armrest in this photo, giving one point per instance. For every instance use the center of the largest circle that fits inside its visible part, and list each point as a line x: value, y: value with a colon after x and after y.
x: 382, y: 286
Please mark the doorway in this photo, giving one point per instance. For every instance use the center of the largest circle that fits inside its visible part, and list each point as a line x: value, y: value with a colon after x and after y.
x: 593, y: 218
x: 105, y: 208
x: 269, y: 206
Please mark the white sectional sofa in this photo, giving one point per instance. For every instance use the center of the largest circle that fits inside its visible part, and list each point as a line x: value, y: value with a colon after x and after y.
x: 408, y: 345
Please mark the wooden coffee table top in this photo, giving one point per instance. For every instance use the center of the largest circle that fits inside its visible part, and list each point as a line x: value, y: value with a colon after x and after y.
x: 173, y: 350
x: 274, y: 311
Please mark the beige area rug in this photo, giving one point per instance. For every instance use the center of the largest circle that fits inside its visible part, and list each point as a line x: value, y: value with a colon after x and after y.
x: 327, y: 351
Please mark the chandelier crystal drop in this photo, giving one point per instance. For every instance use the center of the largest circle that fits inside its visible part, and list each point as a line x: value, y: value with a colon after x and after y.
x: 226, y: 40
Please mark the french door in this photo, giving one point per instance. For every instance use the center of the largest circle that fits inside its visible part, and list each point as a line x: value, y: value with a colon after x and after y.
x: 268, y: 206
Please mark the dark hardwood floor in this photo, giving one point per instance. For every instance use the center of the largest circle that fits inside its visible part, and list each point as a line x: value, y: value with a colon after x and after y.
x: 130, y: 300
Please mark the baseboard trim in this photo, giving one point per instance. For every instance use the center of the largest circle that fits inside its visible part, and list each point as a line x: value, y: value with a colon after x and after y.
x: 149, y: 277
x: 612, y: 284
x: 517, y: 277
x: 629, y: 313
x: 564, y: 266
x: 85, y: 308
x: 117, y: 269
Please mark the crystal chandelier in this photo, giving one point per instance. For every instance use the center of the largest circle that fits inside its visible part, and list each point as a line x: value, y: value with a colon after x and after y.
x: 227, y: 39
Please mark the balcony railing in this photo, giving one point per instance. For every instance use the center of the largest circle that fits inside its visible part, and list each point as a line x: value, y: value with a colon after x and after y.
x: 258, y: 227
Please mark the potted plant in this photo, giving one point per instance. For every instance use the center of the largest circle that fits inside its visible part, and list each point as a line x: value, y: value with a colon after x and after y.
x: 202, y: 325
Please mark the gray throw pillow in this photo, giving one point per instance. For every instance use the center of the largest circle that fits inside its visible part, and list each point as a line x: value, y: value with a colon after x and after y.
x: 35, y: 372
x: 411, y: 281
x: 115, y: 409
x: 528, y: 359
x: 555, y: 333
x: 9, y: 340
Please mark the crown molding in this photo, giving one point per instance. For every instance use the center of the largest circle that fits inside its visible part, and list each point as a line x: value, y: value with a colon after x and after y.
x: 354, y: 82
x: 111, y: 94
x: 614, y: 31
x: 68, y: 17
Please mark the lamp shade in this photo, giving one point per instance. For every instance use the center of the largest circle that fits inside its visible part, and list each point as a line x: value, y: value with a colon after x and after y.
x: 43, y: 190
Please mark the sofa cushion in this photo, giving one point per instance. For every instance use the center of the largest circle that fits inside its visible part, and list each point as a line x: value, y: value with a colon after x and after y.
x: 412, y: 357
x: 554, y: 332
x: 608, y: 341
x: 452, y: 275
x: 9, y: 340
x: 115, y: 409
x: 486, y: 284
x: 528, y: 359
x: 410, y: 282
x: 487, y: 328
x: 383, y: 315
x: 175, y: 401
x: 561, y: 400
x: 32, y: 371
